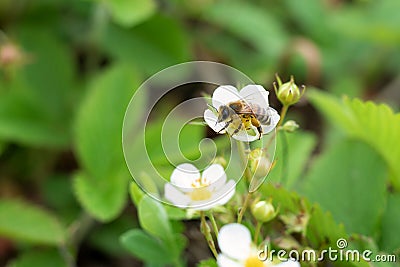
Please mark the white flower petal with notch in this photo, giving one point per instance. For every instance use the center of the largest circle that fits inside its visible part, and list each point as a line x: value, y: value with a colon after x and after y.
x: 184, y: 175
x: 253, y: 93
x: 234, y: 240
x: 224, y: 261
x: 274, y: 121
x: 223, y: 95
x: 288, y: 263
x: 213, y: 174
x: 175, y: 196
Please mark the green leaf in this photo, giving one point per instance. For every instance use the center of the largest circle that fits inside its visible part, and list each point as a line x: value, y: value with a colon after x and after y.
x: 158, y: 43
x: 390, y: 231
x: 103, y: 199
x: 207, y: 263
x: 307, y: 14
x: 23, y: 221
x: 128, y: 13
x: 256, y: 26
x: 175, y: 213
x: 374, y: 22
x: 292, y: 154
x: 136, y: 193
x: 319, y: 226
x: 36, y: 109
x: 376, y: 125
x: 103, y: 186
x: 44, y: 258
x: 100, y: 118
x: 322, y: 229
x: 106, y: 237
x: 154, y: 219
x: 146, y: 247
x: 349, y: 177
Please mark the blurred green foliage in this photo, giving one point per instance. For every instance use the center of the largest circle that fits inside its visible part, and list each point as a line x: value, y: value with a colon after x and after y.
x: 69, y: 69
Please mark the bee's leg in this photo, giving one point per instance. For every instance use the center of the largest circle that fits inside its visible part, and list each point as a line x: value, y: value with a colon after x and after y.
x: 256, y: 123
x: 237, y: 129
x: 259, y: 129
x: 225, y: 126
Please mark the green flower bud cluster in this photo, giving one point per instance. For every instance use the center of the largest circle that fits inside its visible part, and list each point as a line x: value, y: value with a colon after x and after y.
x: 263, y: 211
x: 288, y: 93
x: 290, y: 126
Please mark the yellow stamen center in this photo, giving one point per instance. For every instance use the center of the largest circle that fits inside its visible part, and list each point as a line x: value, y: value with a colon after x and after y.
x: 253, y: 262
x: 199, y: 194
x: 200, y: 191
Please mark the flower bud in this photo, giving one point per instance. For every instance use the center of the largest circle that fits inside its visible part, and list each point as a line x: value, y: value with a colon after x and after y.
x: 290, y: 126
x: 263, y: 211
x: 288, y: 93
x: 259, y: 163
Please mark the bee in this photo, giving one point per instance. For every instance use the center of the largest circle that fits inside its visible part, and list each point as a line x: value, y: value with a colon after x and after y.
x: 242, y: 115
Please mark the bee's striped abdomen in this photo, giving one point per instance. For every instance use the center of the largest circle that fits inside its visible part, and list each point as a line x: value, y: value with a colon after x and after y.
x: 262, y: 114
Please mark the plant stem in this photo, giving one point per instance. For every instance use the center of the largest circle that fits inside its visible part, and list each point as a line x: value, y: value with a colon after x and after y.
x: 79, y: 229
x: 205, y: 230
x: 243, y: 209
x: 66, y: 254
x: 213, y: 223
x: 76, y: 233
x: 283, y: 115
x: 257, y: 232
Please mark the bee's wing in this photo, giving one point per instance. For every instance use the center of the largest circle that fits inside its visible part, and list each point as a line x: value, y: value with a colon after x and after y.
x: 255, y: 94
x: 245, y: 109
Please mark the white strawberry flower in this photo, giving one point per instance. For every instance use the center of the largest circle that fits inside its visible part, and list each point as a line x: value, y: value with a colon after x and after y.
x: 188, y: 189
x: 237, y: 249
x: 251, y: 94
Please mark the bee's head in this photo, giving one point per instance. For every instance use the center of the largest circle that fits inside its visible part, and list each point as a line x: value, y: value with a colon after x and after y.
x: 223, y: 113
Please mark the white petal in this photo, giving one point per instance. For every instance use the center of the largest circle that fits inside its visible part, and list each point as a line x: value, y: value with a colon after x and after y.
x: 211, y: 119
x: 224, y: 261
x: 224, y: 94
x: 234, y: 240
x: 215, y: 175
x: 288, y: 263
x: 184, y: 175
x: 176, y: 197
x: 227, y: 192
x: 274, y: 121
x: 253, y: 93
x: 204, y: 205
x: 244, y: 136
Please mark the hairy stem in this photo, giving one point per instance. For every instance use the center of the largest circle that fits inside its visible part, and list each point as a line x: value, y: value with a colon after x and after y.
x: 205, y: 230
x: 283, y: 115
x: 244, y: 207
x: 76, y: 233
x: 257, y: 232
x: 213, y: 223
